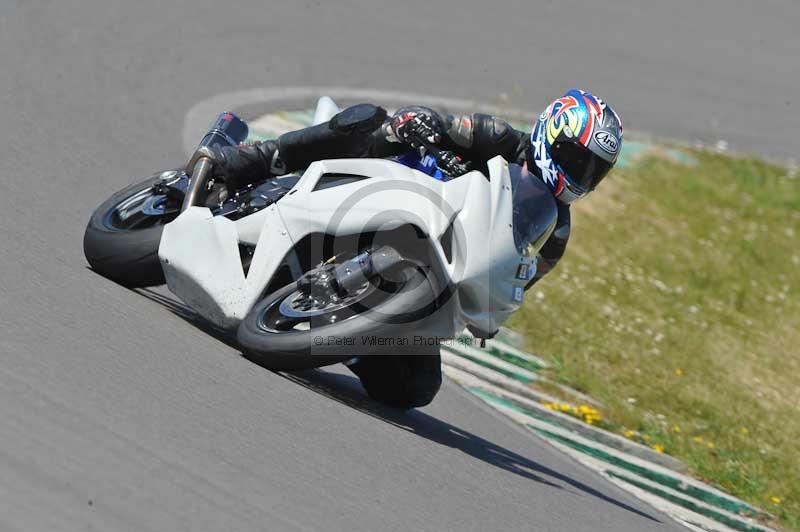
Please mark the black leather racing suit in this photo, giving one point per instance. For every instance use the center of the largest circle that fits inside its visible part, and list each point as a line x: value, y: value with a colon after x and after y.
x: 475, y: 138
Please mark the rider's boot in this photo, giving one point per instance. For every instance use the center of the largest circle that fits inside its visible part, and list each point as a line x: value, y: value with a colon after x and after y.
x: 347, y: 134
x: 250, y: 163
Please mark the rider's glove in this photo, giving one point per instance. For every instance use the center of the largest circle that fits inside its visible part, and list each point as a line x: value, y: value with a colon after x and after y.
x: 417, y: 126
x: 451, y: 164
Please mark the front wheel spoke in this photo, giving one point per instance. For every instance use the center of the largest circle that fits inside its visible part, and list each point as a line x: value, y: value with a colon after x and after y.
x: 285, y: 323
x: 301, y: 311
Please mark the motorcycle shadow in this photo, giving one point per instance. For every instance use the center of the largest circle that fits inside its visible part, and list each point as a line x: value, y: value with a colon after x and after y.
x: 347, y: 390
x: 184, y: 312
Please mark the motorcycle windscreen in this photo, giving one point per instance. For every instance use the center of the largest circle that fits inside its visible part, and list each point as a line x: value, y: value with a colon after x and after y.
x: 534, y: 211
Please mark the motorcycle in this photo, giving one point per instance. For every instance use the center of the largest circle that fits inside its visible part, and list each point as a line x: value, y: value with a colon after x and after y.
x: 348, y: 258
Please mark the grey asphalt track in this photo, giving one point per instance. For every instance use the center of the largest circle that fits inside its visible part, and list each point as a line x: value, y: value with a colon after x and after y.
x: 118, y: 414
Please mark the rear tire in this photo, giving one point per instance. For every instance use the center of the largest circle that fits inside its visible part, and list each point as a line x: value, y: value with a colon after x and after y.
x: 126, y: 256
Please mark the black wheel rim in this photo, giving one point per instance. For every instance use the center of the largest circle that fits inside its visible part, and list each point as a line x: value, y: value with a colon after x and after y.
x: 144, y: 208
x: 291, y: 313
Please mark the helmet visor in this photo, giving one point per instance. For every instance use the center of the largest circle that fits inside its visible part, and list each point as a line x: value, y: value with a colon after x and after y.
x: 583, y: 168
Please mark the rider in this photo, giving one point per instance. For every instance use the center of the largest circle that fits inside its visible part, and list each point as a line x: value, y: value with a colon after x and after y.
x: 573, y: 145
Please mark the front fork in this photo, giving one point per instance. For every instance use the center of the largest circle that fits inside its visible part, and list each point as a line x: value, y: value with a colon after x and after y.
x: 350, y: 276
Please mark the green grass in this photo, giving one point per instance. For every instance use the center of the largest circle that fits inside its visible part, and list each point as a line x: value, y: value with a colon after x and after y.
x: 677, y: 306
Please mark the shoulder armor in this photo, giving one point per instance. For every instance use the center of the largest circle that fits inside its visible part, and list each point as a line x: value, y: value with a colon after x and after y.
x: 459, y: 129
x: 494, y: 136
x: 491, y: 129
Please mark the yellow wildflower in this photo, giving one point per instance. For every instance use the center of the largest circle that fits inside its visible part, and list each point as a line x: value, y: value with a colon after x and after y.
x: 679, y: 372
x: 711, y: 445
x: 744, y: 431
x: 629, y: 434
x: 676, y: 429
x: 658, y: 448
x: 698, y: 439
x: 775, y: 500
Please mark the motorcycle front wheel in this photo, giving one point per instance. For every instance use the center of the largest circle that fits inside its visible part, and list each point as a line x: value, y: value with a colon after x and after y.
x: 290, y: 331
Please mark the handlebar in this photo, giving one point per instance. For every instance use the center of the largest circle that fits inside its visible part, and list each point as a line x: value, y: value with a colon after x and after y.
x: 443, y: 158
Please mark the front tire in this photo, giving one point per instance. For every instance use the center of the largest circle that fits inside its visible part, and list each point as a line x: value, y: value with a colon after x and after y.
x: 405, y: 381
x: 277, y: 339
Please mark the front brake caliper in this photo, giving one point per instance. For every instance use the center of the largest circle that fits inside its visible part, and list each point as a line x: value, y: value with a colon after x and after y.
x: 319, y: 284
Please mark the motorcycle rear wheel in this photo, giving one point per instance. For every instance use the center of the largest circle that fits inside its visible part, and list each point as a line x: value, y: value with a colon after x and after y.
x: 122, y: 237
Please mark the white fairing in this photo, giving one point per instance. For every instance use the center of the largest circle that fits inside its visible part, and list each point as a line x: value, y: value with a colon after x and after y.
x: 200, y: 253
x: 325, y: 110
